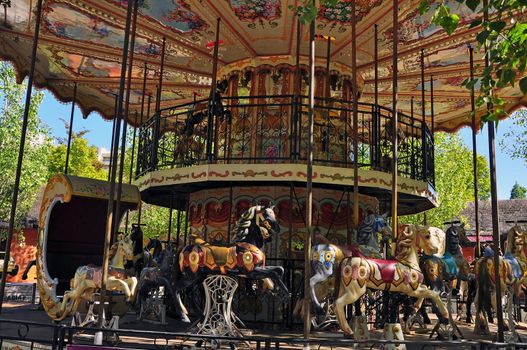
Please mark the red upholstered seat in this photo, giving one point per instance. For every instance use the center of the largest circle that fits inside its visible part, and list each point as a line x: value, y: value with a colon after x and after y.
x: 387, y: 268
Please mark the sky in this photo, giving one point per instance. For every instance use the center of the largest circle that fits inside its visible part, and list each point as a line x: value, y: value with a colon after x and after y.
x: 509, y: 170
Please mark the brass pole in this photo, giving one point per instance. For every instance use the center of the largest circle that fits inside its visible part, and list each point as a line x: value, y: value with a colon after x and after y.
x: 355, y: 118
x: 394, y: 115
x: 309, y: 184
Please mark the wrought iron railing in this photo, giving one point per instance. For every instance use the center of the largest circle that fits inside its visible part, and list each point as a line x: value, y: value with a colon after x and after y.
x: 274, y: 129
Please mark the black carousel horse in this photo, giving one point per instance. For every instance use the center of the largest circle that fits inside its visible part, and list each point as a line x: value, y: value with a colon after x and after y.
x: 153, y: 277
x: 137, y: 264
x: 244, y: 258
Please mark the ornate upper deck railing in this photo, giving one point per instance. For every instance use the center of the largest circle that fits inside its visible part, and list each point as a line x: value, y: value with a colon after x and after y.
x: 274, y: 129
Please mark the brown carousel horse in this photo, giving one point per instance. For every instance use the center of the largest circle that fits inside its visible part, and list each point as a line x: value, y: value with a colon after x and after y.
x: 512, y: 272
x: 401, y: 275
x: 244, y: 258
x: 88, y: 278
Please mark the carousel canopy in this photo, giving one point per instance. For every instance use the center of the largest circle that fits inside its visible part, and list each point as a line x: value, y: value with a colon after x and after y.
x: 81, y: 41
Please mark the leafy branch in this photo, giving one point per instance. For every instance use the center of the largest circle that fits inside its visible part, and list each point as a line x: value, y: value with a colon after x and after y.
x: 502, y: 36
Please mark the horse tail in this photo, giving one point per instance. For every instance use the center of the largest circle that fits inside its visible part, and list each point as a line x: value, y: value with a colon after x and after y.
x: 484, y: 286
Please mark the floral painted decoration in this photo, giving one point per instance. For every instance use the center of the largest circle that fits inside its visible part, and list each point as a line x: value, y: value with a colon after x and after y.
x: 252, y: 10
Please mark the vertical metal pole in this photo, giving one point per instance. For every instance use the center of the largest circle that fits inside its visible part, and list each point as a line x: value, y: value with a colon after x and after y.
x: 413, y: 137
x: 375, y: 115
x: 187, y: 217
x: 355, y: 117
x: 474, y: 153
x: 178, y: 228
x: 432, y: 128
x: 494, y: 198
x: 70, y: 131
x: 131, y: 167
x: 212, y: 99
x: 298, y: 85
x: 161, y: 70
x: 328, y: 77
x: 16, y: 186
x: 170, y: 217
x: 309, y: 206
x: 126, y: 118
x: 395, y: 114
x: 423, y: 126
x: 229, y: 223
x: 110, y: 212
x: 110, y: 164
x: 157, y: 131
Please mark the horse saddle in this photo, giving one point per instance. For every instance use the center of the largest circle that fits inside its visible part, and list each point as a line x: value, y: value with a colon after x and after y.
x: 387, y: 269
x: 214, y: 257
x: 450, y: 265
x: 516, y: 268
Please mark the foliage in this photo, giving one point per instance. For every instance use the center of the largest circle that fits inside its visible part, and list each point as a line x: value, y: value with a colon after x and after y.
x: 37, y: 147
x: 83, y: 160
x: 514, y: 141
x: 502, y: 29
x: 154, y: 218
x: 518, y: 192
x: 454, y: 180
x: 156, y: 221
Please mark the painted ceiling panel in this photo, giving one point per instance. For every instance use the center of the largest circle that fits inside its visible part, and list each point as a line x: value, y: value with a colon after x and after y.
x: 81, y: 41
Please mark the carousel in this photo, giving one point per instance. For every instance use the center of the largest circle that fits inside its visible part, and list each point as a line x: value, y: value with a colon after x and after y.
x: 288, y: 151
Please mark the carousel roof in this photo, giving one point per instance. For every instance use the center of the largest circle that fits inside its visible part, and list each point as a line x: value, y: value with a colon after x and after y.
x: 81, y: 42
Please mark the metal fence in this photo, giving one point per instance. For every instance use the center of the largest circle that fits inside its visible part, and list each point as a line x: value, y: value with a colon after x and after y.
x: 28, y: 335
x: 274, y: 129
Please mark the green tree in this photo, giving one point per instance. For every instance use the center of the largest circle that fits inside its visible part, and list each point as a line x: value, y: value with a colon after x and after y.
x: 83, y: 159
x: 518, y: 191
x: 155, y: 218
x: 37, y: 147
x: 514, y: 141
x: 454, y: 180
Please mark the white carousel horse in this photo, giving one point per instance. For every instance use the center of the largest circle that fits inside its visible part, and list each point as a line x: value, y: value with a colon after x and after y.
x: 324, y: 257
x: 88, y: 278
x: 401, y: 275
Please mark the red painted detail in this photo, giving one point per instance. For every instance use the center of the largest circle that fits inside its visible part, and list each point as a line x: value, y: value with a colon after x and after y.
x: 387, y: 268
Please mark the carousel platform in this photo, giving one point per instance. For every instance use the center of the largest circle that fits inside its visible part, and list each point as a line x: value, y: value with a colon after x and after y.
x: 22, y: 326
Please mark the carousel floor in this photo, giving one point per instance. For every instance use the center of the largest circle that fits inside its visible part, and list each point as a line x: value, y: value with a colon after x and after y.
x: 26, y: 312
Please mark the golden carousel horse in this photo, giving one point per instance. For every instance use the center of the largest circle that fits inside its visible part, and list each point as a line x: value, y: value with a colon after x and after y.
x: 88, y: 278
x: 401, y: 275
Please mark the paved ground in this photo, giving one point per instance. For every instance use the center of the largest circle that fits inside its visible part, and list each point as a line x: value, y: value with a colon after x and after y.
x: 14, y: 311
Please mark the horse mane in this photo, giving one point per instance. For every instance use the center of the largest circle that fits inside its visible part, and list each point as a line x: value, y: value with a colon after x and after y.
x: 405, y: 240
x: 514, y: 239
x: 366, y: 228
x: 241, y: 228
x: 441, y: 235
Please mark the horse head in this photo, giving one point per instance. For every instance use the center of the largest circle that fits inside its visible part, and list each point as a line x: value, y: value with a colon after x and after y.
x: 257, y: 225
x: 413, y: 237
x: 515, y: 243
